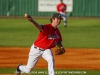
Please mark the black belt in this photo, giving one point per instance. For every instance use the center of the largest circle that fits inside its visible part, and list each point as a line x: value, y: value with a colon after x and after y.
x: 38, y: 48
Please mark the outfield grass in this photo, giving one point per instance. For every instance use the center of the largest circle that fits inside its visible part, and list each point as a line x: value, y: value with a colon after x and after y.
x: 80, y: 33
x: 57, y: 71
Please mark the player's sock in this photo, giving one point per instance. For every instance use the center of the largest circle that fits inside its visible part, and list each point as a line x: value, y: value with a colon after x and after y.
x: 65, y: 23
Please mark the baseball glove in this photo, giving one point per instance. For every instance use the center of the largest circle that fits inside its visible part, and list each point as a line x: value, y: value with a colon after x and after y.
x: 59, y: 51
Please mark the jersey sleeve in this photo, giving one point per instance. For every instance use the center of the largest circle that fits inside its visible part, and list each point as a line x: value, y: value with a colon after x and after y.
x: 60, y: 38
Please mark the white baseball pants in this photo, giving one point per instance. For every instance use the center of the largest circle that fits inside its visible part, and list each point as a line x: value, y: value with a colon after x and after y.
x: 34, y: 56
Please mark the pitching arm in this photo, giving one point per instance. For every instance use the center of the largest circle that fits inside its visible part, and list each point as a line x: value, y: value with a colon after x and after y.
x: 40, y: 27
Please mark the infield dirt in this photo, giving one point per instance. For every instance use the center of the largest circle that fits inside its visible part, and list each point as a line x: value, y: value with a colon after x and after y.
x: 72, y: 59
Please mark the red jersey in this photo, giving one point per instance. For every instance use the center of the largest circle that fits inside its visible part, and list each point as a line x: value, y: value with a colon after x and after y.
x: 61, y: 7
x: 48, y: 38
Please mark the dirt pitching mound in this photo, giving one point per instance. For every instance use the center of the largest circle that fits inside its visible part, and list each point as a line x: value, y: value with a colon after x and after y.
x: 72, y: 59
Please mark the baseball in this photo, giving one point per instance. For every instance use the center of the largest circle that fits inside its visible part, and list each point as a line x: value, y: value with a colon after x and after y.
x: 26, y: 15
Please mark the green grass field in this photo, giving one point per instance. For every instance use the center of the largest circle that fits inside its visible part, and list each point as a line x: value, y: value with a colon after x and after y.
x: 80, y: 33
x: 57, y: 72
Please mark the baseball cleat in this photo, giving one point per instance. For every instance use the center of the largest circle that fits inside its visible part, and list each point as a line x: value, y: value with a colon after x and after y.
x: 65, y: 26
x: 18, y: 71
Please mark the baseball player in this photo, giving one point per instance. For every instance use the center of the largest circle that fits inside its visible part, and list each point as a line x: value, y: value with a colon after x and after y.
x: 48, y: 38
x: 61, y: 9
